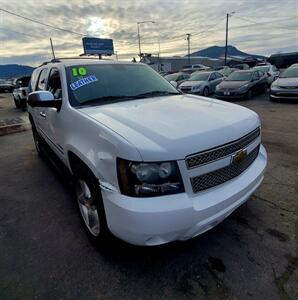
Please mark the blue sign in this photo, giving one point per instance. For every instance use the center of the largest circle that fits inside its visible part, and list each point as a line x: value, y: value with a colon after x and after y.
x: 98, y: 46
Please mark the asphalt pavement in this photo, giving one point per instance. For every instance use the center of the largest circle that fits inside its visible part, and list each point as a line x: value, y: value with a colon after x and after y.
x: 45, y: 254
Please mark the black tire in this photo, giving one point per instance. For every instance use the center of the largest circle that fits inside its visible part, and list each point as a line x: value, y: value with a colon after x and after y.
x: 37, y: 140
x: 82, y: 173
x: 272, y: 99
x: 16, y: 102
x: 205, y: 92
x: 248, y: 95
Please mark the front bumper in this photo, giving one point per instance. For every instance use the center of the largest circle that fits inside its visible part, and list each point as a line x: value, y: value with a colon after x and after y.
x: 232, y: 95
x: 284, y: 94
x: 159, y: 220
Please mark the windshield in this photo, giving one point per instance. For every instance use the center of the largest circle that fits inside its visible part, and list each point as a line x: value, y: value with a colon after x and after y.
x: 106, y: 83
x: 239, y: 76
x: 199, y: 77
x: 290, y: 73
x: 172, y: 77
x: 264, y: 69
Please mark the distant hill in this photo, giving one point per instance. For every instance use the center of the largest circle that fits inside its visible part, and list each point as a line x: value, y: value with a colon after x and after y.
x: 13, y: 71
x: 217, y: 52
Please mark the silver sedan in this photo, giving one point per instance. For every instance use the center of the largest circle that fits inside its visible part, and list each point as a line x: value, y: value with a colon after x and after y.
x: 201, y: 83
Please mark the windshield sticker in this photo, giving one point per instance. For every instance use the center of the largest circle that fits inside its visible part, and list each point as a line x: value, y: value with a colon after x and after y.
x: 79, y: 71
x: 81, y: 82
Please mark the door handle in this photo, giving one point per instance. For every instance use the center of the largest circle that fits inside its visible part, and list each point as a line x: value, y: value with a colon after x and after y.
x: 43, y: 114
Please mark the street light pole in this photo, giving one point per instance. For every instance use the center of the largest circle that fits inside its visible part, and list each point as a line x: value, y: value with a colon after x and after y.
x: 227, y: 30
x: 139, y: 34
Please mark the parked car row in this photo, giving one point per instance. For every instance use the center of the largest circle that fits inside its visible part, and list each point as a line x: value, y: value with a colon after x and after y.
x: 233, y: 83
x: 20, y: 92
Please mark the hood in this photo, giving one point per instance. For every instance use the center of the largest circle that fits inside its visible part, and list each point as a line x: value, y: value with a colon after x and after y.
x: 191, y: 83
x: 172, y: 127
x: 232, y: 84
x: 286, y: 81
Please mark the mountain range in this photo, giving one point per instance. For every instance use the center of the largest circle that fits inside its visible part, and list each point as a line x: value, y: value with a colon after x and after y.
x: 218, y: 51
x: 13, y: 71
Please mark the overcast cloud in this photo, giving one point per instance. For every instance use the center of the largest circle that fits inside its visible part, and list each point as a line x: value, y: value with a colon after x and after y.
x: 25, y: 42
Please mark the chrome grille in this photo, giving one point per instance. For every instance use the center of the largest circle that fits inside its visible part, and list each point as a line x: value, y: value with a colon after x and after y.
x: 201, y: 158
x: 222, y: 175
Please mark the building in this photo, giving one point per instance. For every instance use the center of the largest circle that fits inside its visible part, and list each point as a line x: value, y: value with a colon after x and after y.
x: 176, y: 63
x: 283, y: 60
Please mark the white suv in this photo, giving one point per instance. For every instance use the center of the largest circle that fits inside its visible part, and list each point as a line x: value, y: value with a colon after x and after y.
x: 150, y: 165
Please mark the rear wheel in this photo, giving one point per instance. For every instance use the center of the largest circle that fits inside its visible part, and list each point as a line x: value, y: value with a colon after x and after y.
x: 37, y: 140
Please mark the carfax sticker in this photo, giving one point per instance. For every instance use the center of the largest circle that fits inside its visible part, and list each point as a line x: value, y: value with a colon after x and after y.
x: 81, y: 82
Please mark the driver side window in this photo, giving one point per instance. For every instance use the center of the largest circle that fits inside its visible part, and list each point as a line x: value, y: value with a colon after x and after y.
x: 212, y: 77
x: 42, y: 80
x: 54, y: 84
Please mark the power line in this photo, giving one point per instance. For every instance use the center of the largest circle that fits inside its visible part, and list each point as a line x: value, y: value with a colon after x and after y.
x: 265, y: 23
x: 41, y: 23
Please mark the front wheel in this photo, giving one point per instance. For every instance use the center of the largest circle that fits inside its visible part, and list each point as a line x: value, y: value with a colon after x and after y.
x: 249, y: 94
x: 205, y: 92
x: 90, y: 204
x: 16, y: 102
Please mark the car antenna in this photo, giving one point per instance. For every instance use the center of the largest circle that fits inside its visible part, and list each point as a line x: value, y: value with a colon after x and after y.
x: 53, y: 52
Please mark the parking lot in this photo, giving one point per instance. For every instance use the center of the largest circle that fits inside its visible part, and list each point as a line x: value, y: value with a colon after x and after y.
x: 45, y: 254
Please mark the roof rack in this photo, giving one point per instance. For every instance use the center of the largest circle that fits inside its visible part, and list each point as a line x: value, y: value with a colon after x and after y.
x: 59, y: 59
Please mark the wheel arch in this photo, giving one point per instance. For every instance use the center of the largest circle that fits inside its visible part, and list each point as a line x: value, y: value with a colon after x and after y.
x: 74, y: 161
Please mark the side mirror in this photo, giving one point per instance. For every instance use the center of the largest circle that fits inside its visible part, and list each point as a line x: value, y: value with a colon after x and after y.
x: 43, y: 99
x: 173, y: 83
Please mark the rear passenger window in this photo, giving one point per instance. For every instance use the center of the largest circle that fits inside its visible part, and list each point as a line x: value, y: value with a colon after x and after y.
x: 42, y: 80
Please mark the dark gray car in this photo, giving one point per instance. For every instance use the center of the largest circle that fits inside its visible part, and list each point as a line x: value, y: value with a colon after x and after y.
x: 286, y: 86
x: 242, y: 84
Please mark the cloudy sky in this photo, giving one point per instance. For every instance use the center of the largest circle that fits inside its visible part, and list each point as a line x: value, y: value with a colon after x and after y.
x: 258, y: 26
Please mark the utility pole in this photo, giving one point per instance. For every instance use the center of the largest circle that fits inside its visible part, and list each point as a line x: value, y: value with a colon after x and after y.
x: 139, y: 37
x: 227, y: 30
x: 188, y: 46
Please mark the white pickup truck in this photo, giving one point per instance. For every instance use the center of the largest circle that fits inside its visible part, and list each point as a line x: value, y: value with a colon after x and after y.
x: 150, y: 164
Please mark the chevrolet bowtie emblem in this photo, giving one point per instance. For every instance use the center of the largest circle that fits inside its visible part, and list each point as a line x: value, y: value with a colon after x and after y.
x: 239, y: 156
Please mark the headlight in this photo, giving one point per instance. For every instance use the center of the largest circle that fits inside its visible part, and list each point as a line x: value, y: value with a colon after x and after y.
x: 197, y: 87
x: 140, y: 179
x: 243, y: 87
x: 217, y: 87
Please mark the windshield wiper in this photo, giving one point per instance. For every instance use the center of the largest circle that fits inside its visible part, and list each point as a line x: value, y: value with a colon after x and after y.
x: 156, y: 94
x: 107, y: 99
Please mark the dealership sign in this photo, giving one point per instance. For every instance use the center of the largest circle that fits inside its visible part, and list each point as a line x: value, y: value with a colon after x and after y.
x: 97, y: 46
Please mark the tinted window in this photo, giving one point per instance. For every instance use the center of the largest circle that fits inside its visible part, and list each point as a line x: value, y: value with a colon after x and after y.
x: 106, y: 83
x: 239, y: 76
x: 172, y: 77
x: 199, y: 76
x: 42, y: 80
x: 212, y: 76
x: 54, y: 84
x: 290, y: 73
x: 255, y: 76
